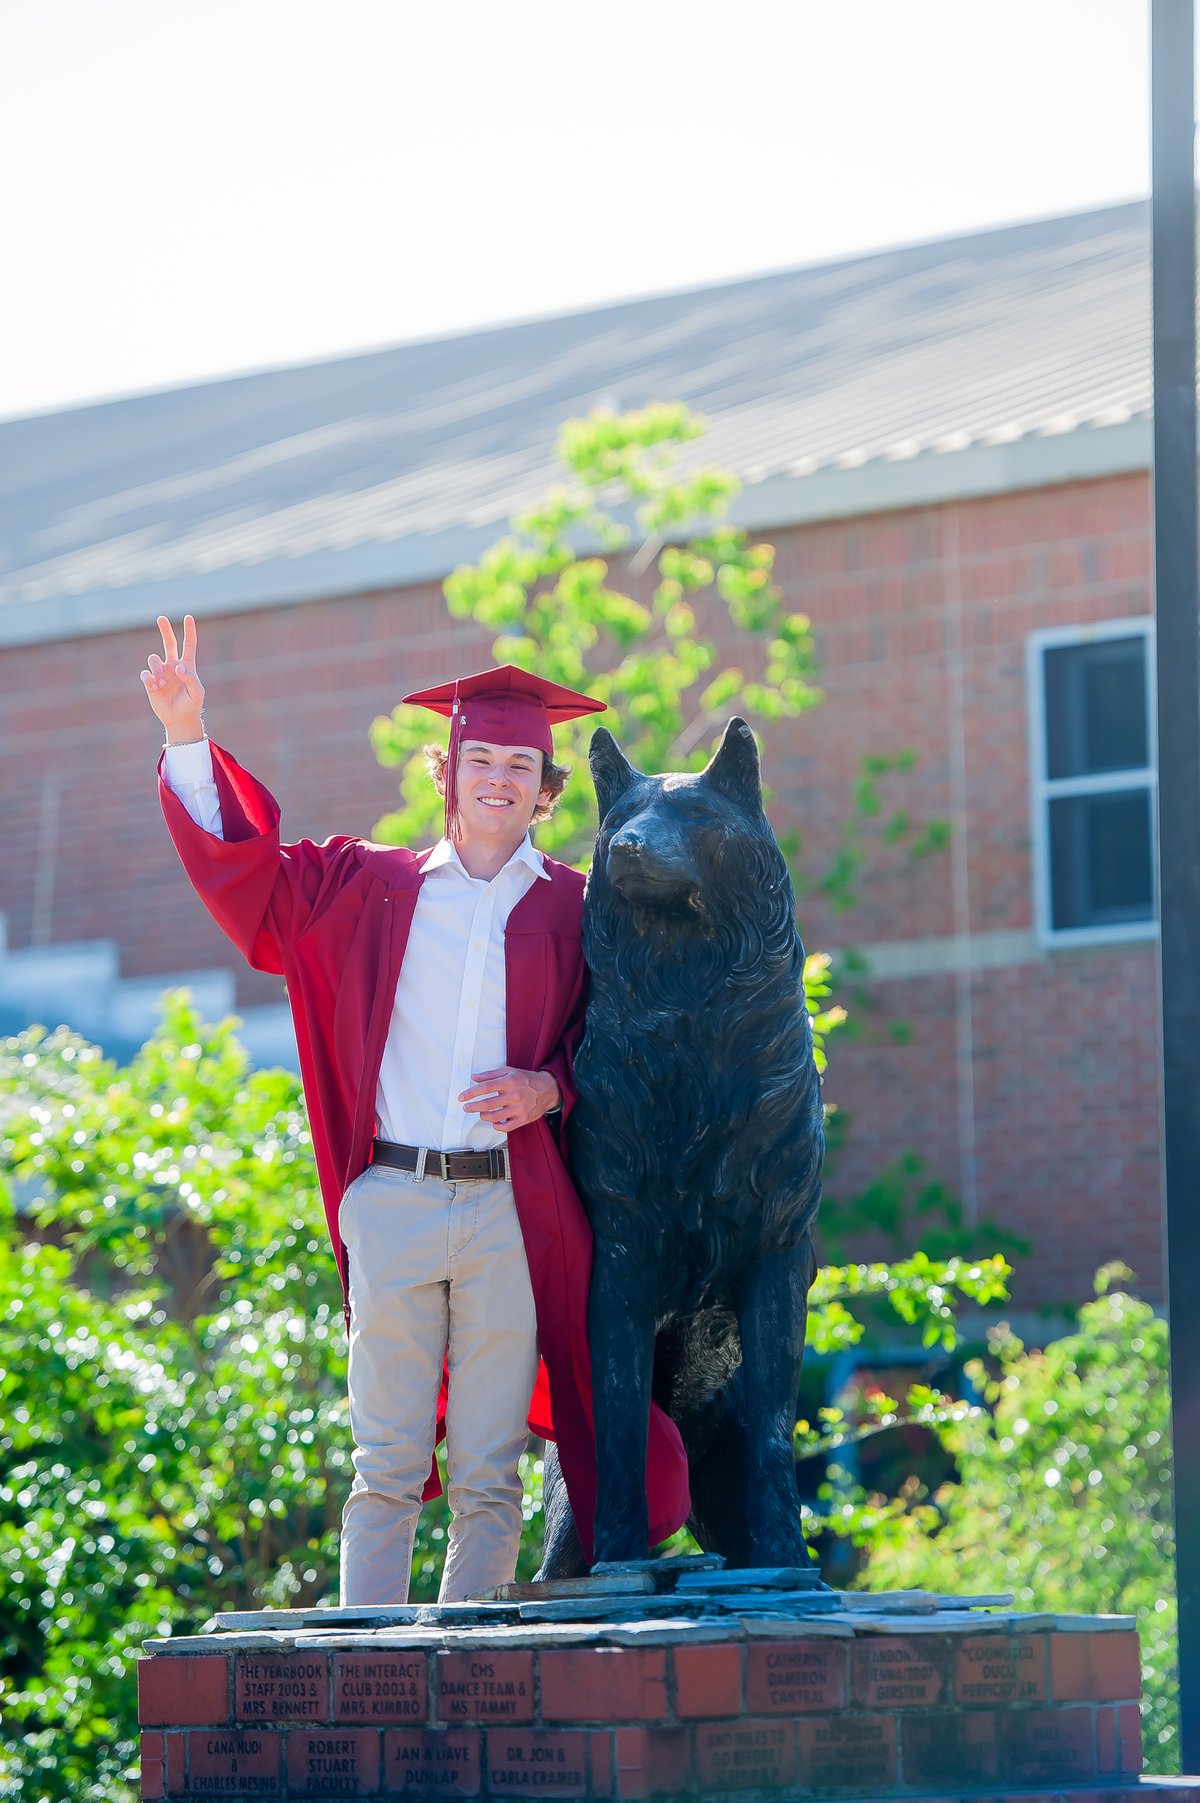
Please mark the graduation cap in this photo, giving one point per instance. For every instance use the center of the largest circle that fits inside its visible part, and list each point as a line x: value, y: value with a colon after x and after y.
x: 505, y: 706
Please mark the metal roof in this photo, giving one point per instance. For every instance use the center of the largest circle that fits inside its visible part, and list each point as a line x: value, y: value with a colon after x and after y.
x: 1005, y: 358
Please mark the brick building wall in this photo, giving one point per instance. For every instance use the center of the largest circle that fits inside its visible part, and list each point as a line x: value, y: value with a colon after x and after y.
x: 1029, y: 1079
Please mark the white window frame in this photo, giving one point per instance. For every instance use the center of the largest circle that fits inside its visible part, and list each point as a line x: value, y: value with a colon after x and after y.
x: 1044, y: 789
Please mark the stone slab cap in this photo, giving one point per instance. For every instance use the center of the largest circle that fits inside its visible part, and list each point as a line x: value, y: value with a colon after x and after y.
x: 478, y: 1640
x: 1092, y: 1624
x: 798, y: 1605
x: 671, y: 1632
x: 917, y: 1600
x: 181, y: 1644
x: 944, y: 1621
x: 632, y: 1583
x: 243, y: 1620
x: 370, y: 1639
x: 1003, y: 1599
x: 433, y: 1615
x: 813, y: 1627
x: 765, y: 1577
x: 1017, y: 1621
x: 571, y: 1608
x: 674, y: 1565
x: 648, y: 1632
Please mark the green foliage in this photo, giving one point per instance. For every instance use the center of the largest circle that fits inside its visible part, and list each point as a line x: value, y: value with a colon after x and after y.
x: 905, y: 1209
x: 173, y: 1433
x: 648, y: 649
x: 824, y: 1015
x: 1062, y: 1493
x: 851, y: 1305
x: 866, y: 827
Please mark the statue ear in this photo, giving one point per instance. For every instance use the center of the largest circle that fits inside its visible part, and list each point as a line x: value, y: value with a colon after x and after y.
x: 612, y: 773
x: 734, y: 768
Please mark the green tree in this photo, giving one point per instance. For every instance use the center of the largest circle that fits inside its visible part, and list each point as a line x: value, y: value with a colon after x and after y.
x: 647, y: 649
x: 646, y: 639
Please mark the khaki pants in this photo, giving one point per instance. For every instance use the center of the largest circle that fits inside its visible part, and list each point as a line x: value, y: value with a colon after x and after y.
x: 435, y: 1265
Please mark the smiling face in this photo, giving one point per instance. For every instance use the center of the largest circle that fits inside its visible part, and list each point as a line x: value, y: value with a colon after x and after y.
x: 499, y: 786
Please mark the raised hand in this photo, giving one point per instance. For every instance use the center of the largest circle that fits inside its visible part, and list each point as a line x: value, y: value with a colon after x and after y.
x: 172, y: 686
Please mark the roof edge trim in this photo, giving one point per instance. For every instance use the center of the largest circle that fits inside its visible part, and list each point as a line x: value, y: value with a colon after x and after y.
x: 933, y: 478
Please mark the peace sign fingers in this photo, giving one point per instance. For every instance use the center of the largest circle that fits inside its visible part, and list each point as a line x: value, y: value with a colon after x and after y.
x: 170, y: 648
x: 185, y: 667
x: 173, y: 688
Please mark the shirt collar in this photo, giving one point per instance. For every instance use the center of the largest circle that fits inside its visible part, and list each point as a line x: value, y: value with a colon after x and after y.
x: 444, y: 854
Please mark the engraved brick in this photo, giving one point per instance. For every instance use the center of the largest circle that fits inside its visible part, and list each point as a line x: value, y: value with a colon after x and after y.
x: 708, y: 1681
x: 950, y: 1749
x: 748, y: 1755
x: 890, y: 1672
x: 848, y: 1752
x: 1118, y: 1740
x: 600, y: 1742
x: 1108, y: 1742
x: 432, y: 1762
x: 1094, y: 1668
x: 333, y: 1762
x: 383, y: 1688
x: 281, y: 1687
x: 1129, y: 1722
x: 485, y: 1687
x: 183, y: 1690
x: 528, y: 1761
x: 791, y: 1676
x: 176, y: 1764
x: 653, y: 1762
x: 1000, y: 1668
x: 1047, y: 1744
x: 154, y: 1768
x: 604, y: 1684
x: 233, y: 1762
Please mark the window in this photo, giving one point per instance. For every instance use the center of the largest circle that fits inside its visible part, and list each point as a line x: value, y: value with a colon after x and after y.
x: 1091, y: 713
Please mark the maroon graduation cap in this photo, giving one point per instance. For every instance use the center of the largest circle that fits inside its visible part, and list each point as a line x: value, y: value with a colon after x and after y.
x: 505, y: 706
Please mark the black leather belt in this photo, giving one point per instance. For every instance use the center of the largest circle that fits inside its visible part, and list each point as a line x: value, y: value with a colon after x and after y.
x: 451, y: 1167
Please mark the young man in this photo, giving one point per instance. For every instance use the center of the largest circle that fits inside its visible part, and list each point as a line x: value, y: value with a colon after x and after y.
x: 437, y: 1000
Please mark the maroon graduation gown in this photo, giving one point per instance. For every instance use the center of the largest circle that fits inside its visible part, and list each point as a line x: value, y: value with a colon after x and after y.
x: 333, y: 921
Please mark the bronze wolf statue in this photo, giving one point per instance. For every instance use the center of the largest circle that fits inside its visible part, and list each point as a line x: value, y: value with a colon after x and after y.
x: 697, y: 1144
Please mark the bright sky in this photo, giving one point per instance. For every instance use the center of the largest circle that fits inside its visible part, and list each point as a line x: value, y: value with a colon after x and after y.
x: 194, y: 189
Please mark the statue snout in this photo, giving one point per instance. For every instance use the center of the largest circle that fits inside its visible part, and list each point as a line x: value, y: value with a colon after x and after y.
x: 642, y: 867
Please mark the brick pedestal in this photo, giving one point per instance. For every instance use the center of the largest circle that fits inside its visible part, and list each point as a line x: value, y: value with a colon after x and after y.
x: 919, y: 1701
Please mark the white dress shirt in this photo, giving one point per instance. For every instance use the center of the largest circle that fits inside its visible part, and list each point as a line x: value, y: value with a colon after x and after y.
x: 449, y: 1016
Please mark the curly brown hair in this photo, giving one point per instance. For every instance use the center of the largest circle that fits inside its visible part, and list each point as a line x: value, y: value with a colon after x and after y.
x: 554, y: 778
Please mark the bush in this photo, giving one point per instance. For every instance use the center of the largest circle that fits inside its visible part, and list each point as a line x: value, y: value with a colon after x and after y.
x: 1062, y: 1494
x: 173, y: 1426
